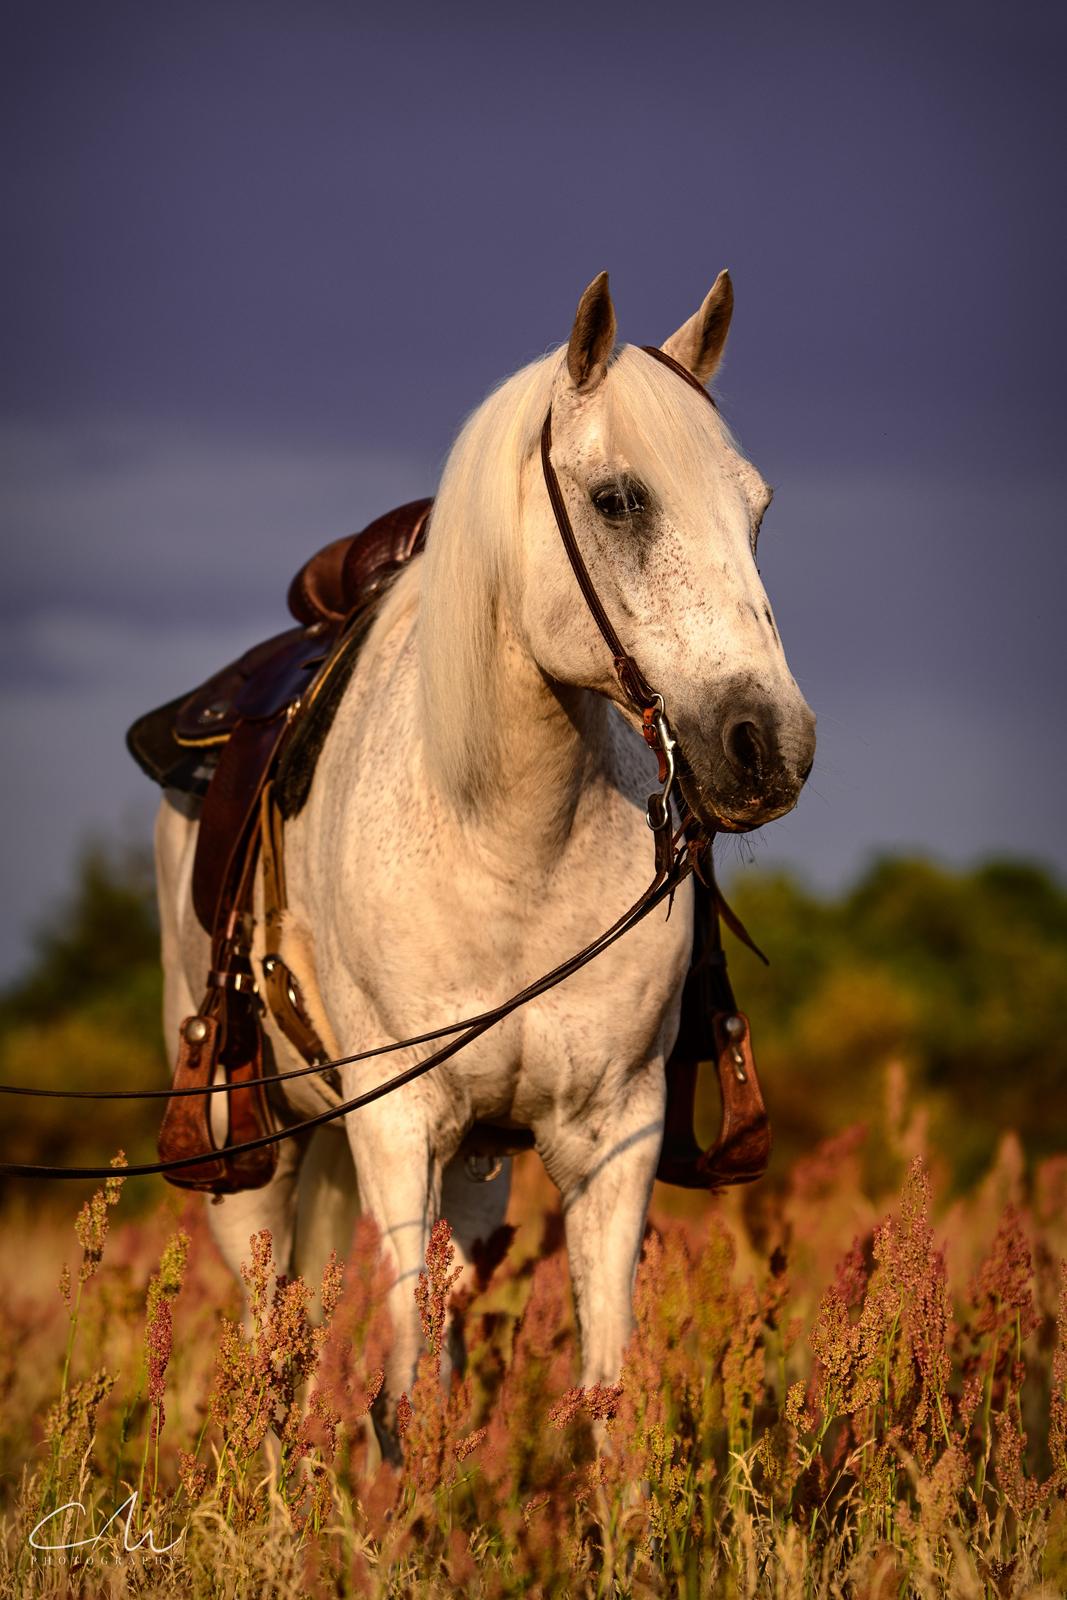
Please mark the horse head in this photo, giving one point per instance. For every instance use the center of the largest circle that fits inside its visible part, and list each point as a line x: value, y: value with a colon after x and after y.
x: 666, y: 513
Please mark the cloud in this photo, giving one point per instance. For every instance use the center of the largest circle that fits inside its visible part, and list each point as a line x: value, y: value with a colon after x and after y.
x: 131, y: 519
x: 138, y: 560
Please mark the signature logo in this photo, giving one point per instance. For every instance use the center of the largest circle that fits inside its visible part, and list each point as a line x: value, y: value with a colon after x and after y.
x: 145, y: 1543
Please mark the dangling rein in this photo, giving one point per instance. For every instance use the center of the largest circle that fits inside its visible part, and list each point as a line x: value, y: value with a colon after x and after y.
x: 739, y: 1154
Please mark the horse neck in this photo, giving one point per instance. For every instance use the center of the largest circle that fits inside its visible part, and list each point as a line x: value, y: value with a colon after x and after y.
x: 550, y: 744
x: 531, y: 747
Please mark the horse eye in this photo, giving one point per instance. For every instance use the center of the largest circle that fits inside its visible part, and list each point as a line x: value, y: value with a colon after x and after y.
x: 617, y: 501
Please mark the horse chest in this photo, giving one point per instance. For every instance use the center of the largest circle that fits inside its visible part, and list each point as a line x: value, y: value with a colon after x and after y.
x: 418, y: 921
x: 453, y: 945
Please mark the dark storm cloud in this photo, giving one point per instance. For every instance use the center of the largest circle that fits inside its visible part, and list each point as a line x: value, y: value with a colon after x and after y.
x: 259, y: 262
x: 299, y: 216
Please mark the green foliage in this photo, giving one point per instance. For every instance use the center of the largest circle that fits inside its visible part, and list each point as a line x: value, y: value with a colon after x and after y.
x: 99, y: 940
x: 86, y: 1014
x: 961, y: 976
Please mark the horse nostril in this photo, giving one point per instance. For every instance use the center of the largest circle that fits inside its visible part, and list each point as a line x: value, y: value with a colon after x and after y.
x: 805, y: 771
x: 745, y: 748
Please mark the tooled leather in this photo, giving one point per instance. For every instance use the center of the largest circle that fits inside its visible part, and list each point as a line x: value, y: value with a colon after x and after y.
x: 742, y: 1149
x: 339, y: 577
x: 316, y: 593
x: 233, y: 1040
x: 241, y: 1055
x: 383, y: 546
x: 260, y: 683
x: 741, y: 1152
x: 323, y: 596
x: 186, y: 1126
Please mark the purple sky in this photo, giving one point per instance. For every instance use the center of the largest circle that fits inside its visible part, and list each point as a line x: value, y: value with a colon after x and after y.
x: 259, y: 262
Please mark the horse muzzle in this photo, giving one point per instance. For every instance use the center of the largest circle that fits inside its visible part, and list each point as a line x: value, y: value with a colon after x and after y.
x: 749, y: 764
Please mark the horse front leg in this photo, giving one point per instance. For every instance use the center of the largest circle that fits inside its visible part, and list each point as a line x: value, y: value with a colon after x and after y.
x: 399, y: 1179
x: 234, y: 1218
x: 605, y: 1173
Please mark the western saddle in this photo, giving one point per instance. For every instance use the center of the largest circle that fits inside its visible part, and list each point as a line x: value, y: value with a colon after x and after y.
x: 246, y: 742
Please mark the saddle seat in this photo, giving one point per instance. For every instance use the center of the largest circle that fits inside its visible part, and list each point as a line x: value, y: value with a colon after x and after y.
x: 351, y: 571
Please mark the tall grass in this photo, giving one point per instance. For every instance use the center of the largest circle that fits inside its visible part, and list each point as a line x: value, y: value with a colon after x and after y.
x: 851, y: 1385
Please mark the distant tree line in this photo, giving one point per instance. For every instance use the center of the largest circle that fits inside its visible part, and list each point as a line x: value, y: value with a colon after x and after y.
x: 960, y: 976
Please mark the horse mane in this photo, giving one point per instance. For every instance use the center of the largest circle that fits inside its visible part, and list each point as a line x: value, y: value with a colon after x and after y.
x: 661, y: 428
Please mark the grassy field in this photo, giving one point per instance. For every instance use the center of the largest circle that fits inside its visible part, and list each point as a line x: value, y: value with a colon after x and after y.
x: 852, y: 1383
x: 848, y: 1380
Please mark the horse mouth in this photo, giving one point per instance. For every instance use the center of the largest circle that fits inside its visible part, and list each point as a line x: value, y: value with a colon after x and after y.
x: 745, y: 765
x: 718, y: 812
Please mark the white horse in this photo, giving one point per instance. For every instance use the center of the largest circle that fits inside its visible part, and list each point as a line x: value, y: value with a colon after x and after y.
x: 477, y: 815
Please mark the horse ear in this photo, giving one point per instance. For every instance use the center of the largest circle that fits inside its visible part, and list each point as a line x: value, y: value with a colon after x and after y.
x: 592, y: 337
x: 698, y: 344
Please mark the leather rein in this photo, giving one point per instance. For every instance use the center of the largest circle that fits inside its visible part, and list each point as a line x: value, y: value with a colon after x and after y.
x: 678, y: 852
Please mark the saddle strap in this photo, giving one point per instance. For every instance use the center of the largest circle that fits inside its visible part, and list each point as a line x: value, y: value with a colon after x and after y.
x: 281, y: 988
x: 229, y: 817
x: 713, y: 1030
x: 226, y: 1036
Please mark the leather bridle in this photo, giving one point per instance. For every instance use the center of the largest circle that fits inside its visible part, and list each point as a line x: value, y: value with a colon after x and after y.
x: 649, y: 705
x: 645, y: 700
x: 635, y: 686
x: 678, y: 852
